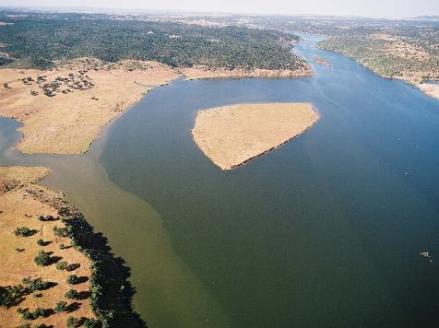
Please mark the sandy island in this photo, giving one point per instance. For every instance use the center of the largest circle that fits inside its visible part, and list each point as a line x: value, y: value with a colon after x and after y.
x: 232, y: 135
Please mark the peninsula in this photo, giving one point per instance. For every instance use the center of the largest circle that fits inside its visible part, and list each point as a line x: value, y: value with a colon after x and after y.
x: 56, y: 271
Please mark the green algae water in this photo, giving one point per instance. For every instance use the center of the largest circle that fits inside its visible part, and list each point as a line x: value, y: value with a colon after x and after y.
x: 325, y: 231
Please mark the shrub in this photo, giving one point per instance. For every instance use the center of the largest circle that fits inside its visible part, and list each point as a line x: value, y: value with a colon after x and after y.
x: 11, y: 295
x: 61, y: 265
x: 72, y: 322
x: 42, y: 242
x: 24, y: 232
x: 61, y: 232
x: 92, y: 323
x: 43, y: 258
x: 39, y: 312
x: 47, y: 218
x: 73, y: 279
x: 72, y: 266
x: 73, y: 294
x: 26, y: 315
x: 60, y: 306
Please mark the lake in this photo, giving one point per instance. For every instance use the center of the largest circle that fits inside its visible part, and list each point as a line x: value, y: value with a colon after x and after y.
x: 325, y: 231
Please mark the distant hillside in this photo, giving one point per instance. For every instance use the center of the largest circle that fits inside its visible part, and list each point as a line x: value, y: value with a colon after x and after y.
x: 426, y: 18
x: 38, y: 39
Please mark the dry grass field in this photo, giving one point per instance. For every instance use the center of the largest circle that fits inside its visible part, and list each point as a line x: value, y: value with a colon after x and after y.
x: 63, y: 110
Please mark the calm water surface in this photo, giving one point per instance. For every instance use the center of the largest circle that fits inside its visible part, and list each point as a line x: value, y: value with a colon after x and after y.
x: 324, y: 232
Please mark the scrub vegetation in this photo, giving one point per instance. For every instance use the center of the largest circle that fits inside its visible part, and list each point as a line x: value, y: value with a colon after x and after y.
x: 36, y: 40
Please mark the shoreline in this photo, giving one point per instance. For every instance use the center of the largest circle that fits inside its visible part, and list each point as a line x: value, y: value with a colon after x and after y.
x: 418, y: 85
x: 274, y: 148
x: 205, y: 73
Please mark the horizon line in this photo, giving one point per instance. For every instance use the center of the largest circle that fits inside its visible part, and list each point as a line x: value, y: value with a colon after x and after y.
x: 111, y: 10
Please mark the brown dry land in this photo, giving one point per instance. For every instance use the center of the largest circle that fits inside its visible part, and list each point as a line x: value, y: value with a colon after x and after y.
x: 63, y: 110
x: 22, y: 201
x: 232, y: 135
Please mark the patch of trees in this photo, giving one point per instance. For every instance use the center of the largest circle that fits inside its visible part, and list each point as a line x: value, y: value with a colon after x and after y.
x: 13, y: 295
x: 37, y: 284
x: 33, y: 315
x: 40, y: 39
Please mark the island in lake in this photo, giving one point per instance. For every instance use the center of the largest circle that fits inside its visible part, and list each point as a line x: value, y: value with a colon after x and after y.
x: 233, y: 135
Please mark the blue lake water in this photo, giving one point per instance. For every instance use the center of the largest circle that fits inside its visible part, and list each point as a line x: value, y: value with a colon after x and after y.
x: 325, y: 231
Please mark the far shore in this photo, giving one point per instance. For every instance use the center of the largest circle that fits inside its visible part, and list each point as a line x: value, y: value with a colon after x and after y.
x: 201, y: 72
x: 416, y: 80
x: 231, y: 136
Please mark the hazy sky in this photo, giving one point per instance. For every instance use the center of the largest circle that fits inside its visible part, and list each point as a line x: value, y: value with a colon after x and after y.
x: 371, y: 8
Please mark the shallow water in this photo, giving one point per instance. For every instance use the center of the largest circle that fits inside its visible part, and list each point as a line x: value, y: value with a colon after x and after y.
x: 325, y: 231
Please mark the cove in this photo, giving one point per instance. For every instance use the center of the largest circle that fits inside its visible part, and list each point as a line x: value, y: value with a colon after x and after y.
x: 324, y: 231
